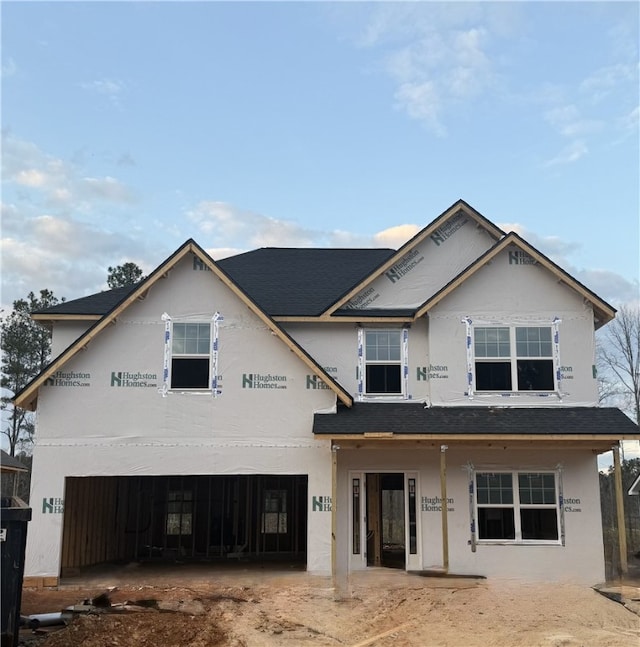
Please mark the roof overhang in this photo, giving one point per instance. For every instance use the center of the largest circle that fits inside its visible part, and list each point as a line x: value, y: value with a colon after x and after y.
x: 414, y: 424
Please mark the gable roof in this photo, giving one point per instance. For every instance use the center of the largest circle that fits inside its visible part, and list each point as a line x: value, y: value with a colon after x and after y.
x: 457, y: 207
x: 635, y: 487
x: 90, y: 307
x: 27, y: 397
x: 300, y: 281
x: 303, y: 282
x: 296, y: 282
x: 603, y: 312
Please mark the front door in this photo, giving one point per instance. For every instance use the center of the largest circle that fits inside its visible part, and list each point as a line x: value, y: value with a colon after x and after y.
x: 386, y: 531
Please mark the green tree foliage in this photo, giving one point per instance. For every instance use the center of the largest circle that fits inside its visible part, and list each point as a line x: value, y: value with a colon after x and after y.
x: 26, y: 347
x: 122, y: 275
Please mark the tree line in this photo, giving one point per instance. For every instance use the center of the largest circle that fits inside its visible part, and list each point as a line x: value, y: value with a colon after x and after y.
x: 26, y: 351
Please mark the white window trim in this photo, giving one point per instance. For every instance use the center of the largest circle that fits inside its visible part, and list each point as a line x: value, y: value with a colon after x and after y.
x: 471, y: 325
x: 213, y: 383
x: 403, y: 363
x: 517, y: 506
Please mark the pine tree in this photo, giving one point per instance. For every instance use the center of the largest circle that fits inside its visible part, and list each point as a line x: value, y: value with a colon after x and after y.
x: 26, y: 347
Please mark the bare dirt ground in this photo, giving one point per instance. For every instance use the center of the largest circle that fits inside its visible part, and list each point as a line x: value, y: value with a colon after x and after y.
x: 379, y: 608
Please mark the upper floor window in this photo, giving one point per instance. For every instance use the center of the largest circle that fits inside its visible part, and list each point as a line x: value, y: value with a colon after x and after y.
x: 190, y: 356
x: 513, y: 358
x: 517, y: 506
x: 383, y: 361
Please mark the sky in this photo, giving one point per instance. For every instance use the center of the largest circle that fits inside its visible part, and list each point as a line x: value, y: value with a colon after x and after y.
x: 129, y: 127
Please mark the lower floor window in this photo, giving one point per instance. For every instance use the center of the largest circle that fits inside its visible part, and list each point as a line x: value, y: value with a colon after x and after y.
x: 274, y: 515
x: 517, y: 506
x: 179, y: 512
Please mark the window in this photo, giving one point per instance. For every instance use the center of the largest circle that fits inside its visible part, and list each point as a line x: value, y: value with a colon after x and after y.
x: 383, y: 353
x: 274, y: 515
x: 499, y: 368
x: 190, y: 355
x: 179, y: 512
x: 517, y: 506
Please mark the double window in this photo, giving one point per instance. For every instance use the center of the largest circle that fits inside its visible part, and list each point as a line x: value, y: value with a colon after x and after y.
x: 383, y: 362
x: 190, y: 356
x: 513, y: 358
x: 517, y: 506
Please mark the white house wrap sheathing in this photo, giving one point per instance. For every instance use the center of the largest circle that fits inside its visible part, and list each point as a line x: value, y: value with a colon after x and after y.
x: 125, y: 422
x: 577, y: 555
x: 426, y: 267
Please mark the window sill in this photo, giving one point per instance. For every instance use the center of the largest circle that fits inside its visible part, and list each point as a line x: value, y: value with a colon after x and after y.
x: 520, y: 542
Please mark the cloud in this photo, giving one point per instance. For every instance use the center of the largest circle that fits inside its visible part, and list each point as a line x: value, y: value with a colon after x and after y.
x: 55, y: 181
x: 8, y: 68
x: 554, y: 247
x: 601, y: 83
x: 610, y: 286
x: 226, y: 225
x: 110, y: 88
x: 437, y: 56
x: 60, y: 226
x: 397, y: 236
x: 569, y: 154
x: 63, y: 254
x: 568, y: 122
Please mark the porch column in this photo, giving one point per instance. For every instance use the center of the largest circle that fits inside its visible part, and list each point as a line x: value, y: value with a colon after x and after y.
x: 445, y: 518
x: 622, y: 529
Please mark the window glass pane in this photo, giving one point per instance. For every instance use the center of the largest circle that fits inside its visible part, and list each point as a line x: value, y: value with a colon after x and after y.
x: 533, y: 342
x: 491, y: 342
x: 493, y: 376
x: 535, y: 375
x: 382, y: 345
x: 539, y: 523
x: 191, y: 346
x: 537, y: 489
x: 191, y: 339
x: 190, y: 373
x: 178, y: 331
x: 494, y: 488
x: 383, y: 378
x: 496, y: 523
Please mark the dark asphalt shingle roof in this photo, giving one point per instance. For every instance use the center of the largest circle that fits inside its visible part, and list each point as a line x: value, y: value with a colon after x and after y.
x: 9, y: 463
x: 95, y: 304
x: 415, y: 418
x: 282, y: 281
x: 300, y: 281
x: 375, y: 312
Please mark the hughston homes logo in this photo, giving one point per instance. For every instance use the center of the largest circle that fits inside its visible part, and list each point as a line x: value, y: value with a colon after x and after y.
x: 519, y: 257
x: 69, y: 378
x: 449, y: 228
x: 362, y: 300
x: 404, y: 266
x: 133, y: 380
x: 263, y: 381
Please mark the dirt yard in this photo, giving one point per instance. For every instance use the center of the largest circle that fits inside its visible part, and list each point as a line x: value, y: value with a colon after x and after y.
x: 379, y: 608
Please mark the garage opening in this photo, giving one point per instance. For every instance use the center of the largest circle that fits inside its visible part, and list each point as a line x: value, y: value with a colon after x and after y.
x: 181, y: 518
